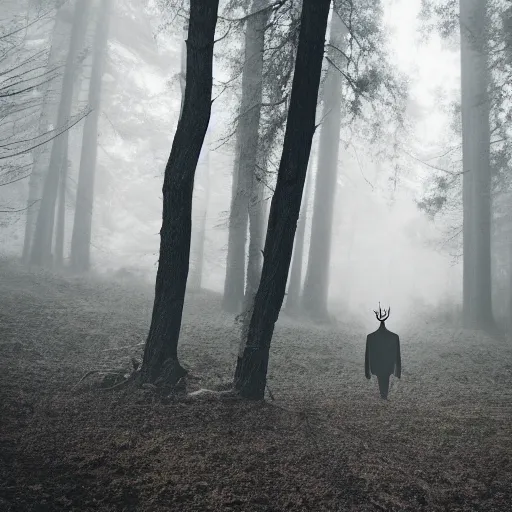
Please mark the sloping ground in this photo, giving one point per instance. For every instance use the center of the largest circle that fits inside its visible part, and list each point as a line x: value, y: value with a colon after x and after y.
x: 326, y: 443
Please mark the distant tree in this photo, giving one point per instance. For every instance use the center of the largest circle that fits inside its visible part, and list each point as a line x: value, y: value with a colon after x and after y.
x: 483, y: 113
x: 476, y: 137
x: 82, y: 226
x: 200, y: 213
x: 41, y: 250
x: 60, y: 226
x: 160, y: 364
x: 24, y: 52
x: 249, y: 194
x: 47, y: 118
x: 246, y: 200
x: 316, y: 285
x: 286, y: 200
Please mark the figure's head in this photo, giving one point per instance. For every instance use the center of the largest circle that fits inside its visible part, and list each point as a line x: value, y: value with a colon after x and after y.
x: 382, y: 316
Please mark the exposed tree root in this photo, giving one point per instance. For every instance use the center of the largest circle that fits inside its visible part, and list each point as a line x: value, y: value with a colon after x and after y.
x: 123, y: 383
x: 121, y: 371
x: 171, y: 375
x: 210, y: 394
x: 124, y: 373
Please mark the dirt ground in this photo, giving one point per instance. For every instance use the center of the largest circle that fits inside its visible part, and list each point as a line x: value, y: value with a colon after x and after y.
x: 325, y: 443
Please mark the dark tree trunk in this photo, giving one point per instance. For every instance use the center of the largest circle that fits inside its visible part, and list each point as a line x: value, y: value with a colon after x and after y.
x: 160, y: 364
x: 41, y: 253
x: 199, y: 200
x: 247, y: 146
x: 285, y: 207
x: 295, y: 278
x: 82, y: 225
x: 476, y: 135
x: 316, y: 283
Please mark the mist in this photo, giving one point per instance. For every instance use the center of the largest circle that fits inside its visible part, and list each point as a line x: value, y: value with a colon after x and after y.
x: 255, y: 255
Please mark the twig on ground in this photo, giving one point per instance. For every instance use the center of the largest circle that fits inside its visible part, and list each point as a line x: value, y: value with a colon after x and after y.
x: 122, y: 371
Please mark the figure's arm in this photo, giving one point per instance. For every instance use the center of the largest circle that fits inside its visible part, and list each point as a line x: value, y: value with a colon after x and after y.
x: 398, y: 362
x: 367, y: 373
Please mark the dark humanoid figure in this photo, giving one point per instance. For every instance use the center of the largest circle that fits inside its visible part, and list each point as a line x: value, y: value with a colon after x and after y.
x: 382, y: 357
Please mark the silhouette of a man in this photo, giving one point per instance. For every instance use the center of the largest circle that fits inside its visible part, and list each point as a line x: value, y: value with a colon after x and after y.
x: 382, y: 357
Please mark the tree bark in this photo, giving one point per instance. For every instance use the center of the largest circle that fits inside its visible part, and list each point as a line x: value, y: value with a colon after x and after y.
x: 285, y: 206
x: 295, y: 278
x: 201, y: 193
x: 316, y: 283
x: 41, y: 253
x: 80, y: 258
x: 247, y: 146
x: 160, y: 364
x: 475, y: 109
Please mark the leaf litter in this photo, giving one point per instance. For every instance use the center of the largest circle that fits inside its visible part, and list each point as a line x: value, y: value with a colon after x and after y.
x: 323, y: 440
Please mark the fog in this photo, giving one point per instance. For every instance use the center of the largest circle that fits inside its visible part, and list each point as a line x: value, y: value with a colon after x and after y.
x: 384, y: 249
x: 255, y: 255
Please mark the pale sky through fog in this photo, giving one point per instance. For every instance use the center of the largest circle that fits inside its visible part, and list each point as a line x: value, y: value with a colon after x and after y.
x: 432, y: 67
x: 390, y: 266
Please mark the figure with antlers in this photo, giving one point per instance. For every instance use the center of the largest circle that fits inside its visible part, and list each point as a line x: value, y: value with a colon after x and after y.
x: 382, y: 357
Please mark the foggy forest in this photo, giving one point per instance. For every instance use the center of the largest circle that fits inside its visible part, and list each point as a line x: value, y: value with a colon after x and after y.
x: 255, y: 255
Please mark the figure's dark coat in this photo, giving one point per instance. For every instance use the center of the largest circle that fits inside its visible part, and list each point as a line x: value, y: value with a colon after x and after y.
x: 382, y: 355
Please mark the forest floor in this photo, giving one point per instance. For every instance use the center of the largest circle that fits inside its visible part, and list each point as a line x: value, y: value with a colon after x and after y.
x: 326, y: 443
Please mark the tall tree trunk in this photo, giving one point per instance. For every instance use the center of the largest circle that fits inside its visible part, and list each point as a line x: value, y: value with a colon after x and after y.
x: 285, y: 207
x: 41, y: 253
x: 475, y: 108
x: 201, y: 192
x: 61, y: 210
x: 82, y: 226
x: 160, y: 363
x: 40, y: 154
x: 295, y: 278
x: 256, y: 242
x: 248, y: 172
x: 247, y: 145
x: 316, y: 284
x: 237, y: 238
x: 200, y: 210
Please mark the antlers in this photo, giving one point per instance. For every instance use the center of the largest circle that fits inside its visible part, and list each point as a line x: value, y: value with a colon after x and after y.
x: 382, y: 316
